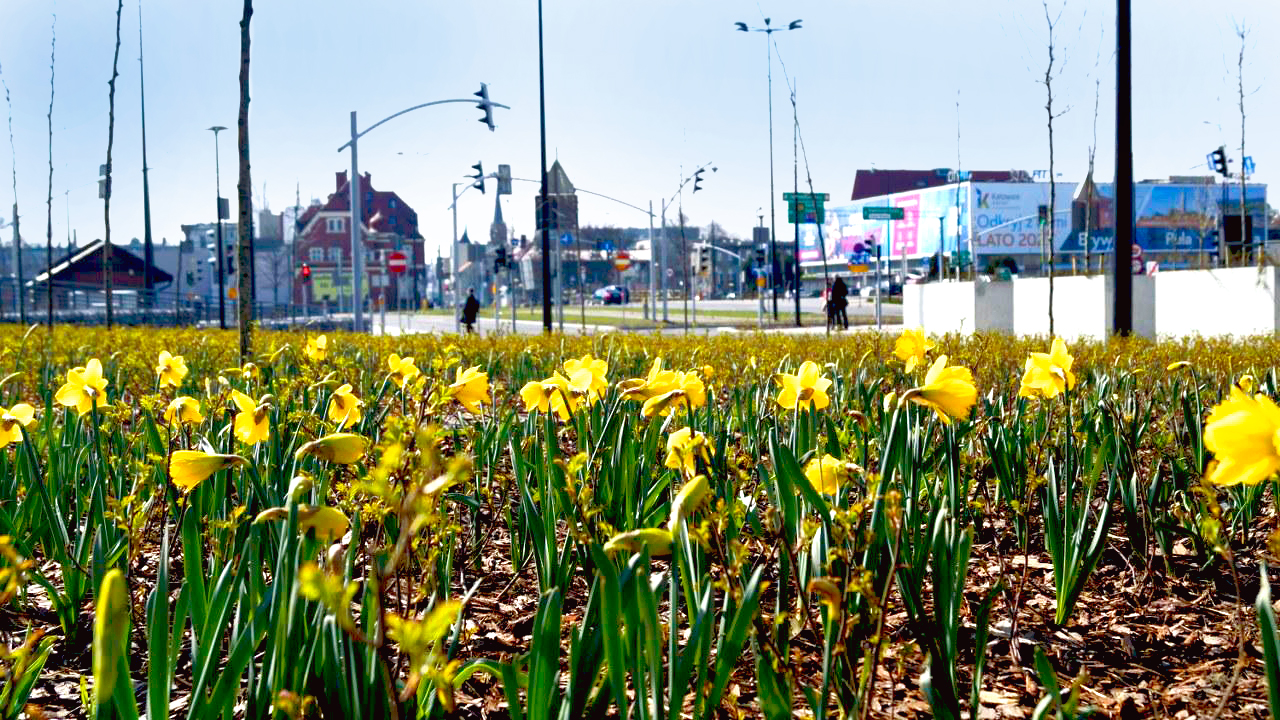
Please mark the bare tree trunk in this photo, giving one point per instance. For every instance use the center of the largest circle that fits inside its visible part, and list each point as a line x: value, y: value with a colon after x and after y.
x: 48, y: 248
x: 108, y: 258
x: 1053, y: 186
x: 1246, y: 238
x: 245, y: 190
x: 1088, y: 208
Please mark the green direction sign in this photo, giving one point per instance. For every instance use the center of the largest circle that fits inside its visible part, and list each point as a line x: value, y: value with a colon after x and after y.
x: 806, y: 207
x: 882, y: 213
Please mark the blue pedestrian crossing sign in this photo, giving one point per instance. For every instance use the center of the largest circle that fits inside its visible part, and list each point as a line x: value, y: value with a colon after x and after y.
x: 566, y: 239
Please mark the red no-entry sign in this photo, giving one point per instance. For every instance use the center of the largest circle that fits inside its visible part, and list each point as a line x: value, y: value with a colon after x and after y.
x: 397, y: 262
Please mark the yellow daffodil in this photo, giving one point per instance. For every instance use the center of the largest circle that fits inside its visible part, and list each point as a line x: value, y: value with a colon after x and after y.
x: 316, y: 348
x: 807, y: 388
x: 189, y: 468
x: 1245, y: 383
x: 1048, y: 374
x: 949, y: 391
x: 329, y: 523
x: 829, y: 594
x: 657, y: 382
x: 85, y: 388
x: 402, y: 369
x: 657, y: 540
x: 470, y: 389
x: 684, y: 447
x: 912, y: 347
x: 183, y: 409
x: 252, y: 424
x: 598, y: 369
x: 1179, y: 365
x: 691, y: 497
x: 551, y: 395
x: 686, y: 392
x: 110, y: 635
x: 340, y: 448
x: 171, y: 369
x: 826, y: 474
x: 13, y: 420
x: 344, y: 407
x: 1243, y: 433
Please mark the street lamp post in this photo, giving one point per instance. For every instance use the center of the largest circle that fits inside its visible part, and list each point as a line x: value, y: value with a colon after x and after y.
x: 769, y: 30
x: 217, y: 174
x: 357, y: 256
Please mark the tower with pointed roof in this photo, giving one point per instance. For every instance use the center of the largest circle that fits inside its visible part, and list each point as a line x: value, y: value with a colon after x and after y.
x: 497, y: 230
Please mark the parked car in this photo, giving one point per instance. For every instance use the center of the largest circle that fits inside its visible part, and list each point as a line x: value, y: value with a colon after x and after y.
x: 612, y: 295
x: 886, y: 287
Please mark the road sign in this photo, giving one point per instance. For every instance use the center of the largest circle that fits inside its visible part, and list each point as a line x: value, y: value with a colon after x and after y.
x: 760, y: 281
x: 232, y: 292
x: 1248, y: 164
x: 397, y: 262
x: 806, y: 207
x: 882, y: 213
x: 859, y: 268
x: 566, y: 239
x: 622, y: 260
x: 1139, y: 267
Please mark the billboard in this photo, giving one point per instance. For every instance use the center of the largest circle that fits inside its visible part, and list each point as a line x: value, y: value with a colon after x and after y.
x: 1168, y: 217
x: 932, y: 219
x: 1006, y: 218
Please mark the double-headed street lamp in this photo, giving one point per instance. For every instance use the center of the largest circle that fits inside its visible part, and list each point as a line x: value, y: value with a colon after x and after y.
x: 769, y: 30
x: 217, y: 174
x: 353, y: 185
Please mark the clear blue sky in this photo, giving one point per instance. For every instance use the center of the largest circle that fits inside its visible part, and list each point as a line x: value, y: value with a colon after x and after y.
x: 634, y: 91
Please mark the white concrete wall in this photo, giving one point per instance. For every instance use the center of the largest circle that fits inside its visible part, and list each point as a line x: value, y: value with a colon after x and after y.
x: 960, y: 307
x: 1226, y: 301
x: 1081, y: 306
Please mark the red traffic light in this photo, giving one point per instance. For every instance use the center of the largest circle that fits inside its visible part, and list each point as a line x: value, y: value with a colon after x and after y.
x: 306, y: 271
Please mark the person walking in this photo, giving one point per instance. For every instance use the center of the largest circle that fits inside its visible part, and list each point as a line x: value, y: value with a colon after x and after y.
x: 470, y: 309
x: 839, y: 303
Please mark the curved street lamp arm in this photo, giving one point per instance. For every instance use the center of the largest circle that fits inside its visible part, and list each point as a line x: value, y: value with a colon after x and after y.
x: 409, y: 110
x: 601, y: 195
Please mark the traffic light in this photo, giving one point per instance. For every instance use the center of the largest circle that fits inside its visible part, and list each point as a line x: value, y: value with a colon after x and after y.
x: 697, y: 180
x: 1044, y: 215
x: 306, y: 273
x: 500, y: 260
x: 1218, y: 160
x: 229, y: 259
x: 759, y: 256
x: 478, y: 177
x: 704, y: 260
x: 485, y: 106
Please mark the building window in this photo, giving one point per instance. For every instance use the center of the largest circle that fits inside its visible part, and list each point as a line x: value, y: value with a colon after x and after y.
x: 391, y: 203
x: 335, y: 224
x: 316, y: 254
x: 335, y: 254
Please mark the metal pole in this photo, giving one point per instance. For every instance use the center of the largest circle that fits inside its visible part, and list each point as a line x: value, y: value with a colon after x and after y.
x: 357, y: 249
x: 773, y: 213
x: 453, y: 262
x: 582, y: 296
x: 544, y: 208
x: 1122, y: 312
x: 652, y: 309
x: 148, y: 252
x: 879, y: 322
x: 222, y: 290
x: 497, y: 306
x: 795, y: 179
x: 662, y: 270
x: 511, y: 297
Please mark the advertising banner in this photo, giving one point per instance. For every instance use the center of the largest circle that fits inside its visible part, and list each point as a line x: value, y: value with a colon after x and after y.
x: 1006, y: 219
x: 1168, y: 217
x: 932, y: 220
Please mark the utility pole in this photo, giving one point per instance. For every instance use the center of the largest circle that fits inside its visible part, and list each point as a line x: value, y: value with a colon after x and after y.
x: 1122, y: 311
x: 148, y: 251
x: 795, y: 171
x: 543, y: 208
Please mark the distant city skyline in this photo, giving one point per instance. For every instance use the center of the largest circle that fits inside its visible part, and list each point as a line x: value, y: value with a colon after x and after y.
x: 635, y: 94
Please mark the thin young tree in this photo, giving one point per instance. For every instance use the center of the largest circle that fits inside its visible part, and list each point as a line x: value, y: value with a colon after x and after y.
x: 108, y: 258
x: 17, y: 234
x: 244, y: 255
x: 1051, y: 116
x: 1242, y: 32
x: 48, y: 248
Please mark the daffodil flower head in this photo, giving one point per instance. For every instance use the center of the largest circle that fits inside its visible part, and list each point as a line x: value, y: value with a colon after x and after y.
x: 686, y: 392
x: 806, y: 389
x: 827, y: 474
x: 1179, y: 365
x: 1243, y: 433
x: 657, y: 540
x: 402, y: 369
x: 339, y: 448
x: 1048, y: 374
x: 684, y: 447
x: 598, y: 370
x: 657, y: 382
x: 470, y: 389
x: 12, y: 421
x: 948, y: 391
x: 344, y: 407
x: 316, y: 348
x: 85, y: 388
x: 912, y: 347
x: 189, y: 468
x: 252, y: 424
x: 693, y: 495
x: 183, y: 409
x: 170, y: 369
x: 1245, y: 383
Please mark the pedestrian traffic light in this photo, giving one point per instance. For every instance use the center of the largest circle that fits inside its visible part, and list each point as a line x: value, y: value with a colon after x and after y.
x: 1044, y: 215
x: 478, y: 177
x: 697, y: 180
x: 1218, y: 160
x: 306, y: 273
x: 485, y: 106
